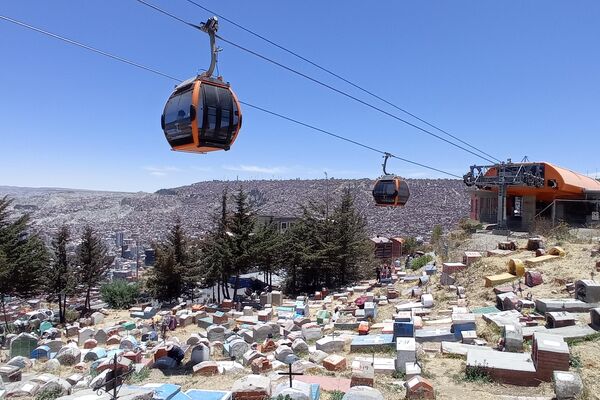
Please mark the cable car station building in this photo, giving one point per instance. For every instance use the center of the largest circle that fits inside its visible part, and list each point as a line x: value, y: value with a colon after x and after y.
x: 529, y: 191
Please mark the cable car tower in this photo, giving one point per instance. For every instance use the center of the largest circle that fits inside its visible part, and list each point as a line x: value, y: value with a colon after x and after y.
x: 501, y: 176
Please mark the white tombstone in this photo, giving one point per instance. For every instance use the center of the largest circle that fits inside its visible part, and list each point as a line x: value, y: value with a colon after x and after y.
x: 406, y: 349
x: 200, y: 353
x: 85, y: 334
x: 427, y: 300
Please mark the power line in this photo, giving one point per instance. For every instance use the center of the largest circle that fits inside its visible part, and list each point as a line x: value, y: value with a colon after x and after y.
x: 126, y: 61
x: 73, y: 42
x: 348, y: 140
x: 319, y: 82
x: 330, y: 72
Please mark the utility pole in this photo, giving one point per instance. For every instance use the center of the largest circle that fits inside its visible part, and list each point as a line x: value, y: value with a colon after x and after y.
x: 326, y: 196
x: 137, y: 261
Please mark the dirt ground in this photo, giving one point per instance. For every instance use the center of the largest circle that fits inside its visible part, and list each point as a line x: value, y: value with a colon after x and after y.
x: 446, y: 372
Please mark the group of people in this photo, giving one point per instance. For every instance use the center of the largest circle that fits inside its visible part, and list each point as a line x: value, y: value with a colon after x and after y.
x: 384, y: 272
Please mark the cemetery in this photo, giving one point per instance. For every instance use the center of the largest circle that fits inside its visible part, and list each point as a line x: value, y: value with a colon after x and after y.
x: 457, y: 333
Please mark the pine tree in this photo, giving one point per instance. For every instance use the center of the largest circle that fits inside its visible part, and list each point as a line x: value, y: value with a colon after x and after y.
x: 216, y: 251
x: 60, y: 274
x: 171, y: 277
x: 93, y: 263
x: 23, y: 257
x: 268, y: 250
x: 241, y: 228
x: 352, y: 251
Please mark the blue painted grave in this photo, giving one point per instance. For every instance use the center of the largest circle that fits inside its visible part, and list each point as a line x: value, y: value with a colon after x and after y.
x: 372, y: 342
x: 199, y: 394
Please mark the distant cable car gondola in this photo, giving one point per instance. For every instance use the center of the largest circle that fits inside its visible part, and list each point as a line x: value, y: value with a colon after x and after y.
x: 390, y: 190
x: 203, y: 114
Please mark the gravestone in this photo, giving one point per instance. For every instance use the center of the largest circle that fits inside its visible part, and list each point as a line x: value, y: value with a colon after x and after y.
x: 236, y: 347
x: 513, y: 338
x: 567, y: 385
x: 276, y: 298
x: 128, y: 343
x: 363, y: 374
x: 595, y: 317
x: 97, y: 318
x: 23, y: 345
x: 362, y: 393
x: 69, y: 355
x: 330, y: 344
x: 101, y: 336
x: 261, y: 332
x: 381, y: 342
x: 250, y: 356
x: 299, y: 346
x: 406, y: 351
x: 252, y: 387
x: 317, y: 356
x: 215, y: 333
x: 370, y: 310
x: 435, y: 335
x: 200, y: 353
x: 587, y: 291
x: 282, y: 352
x: 85, y: 334
x: 427, y: 300
x: 95, y: 354
x: 40, y: 353
x: 312, y: 331
x: 217, y: 349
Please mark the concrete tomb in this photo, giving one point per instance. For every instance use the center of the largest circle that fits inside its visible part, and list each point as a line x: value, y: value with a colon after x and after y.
x: 559, y: 319
x: 567, y: 385
x: 380, y: 342
x: 406, y: 351
x: 23, y: 345
x: 587, y: 291
x: 595, y: 317
x: 435, y: 335
x: 572, y: 305
x: 363, y: 373
x: 513, y: 338
x: 200, y: 353
x: 215, y: 333
x: 419, y: 388
x: 331, y: 345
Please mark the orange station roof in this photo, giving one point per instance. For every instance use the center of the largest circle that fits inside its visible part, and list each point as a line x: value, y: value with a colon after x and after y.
x: 570, y: 184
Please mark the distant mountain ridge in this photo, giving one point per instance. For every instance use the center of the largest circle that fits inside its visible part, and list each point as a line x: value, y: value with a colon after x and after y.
x: 147, y: 215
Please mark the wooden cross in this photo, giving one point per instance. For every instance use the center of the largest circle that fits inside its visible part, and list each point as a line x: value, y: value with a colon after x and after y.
x: 290, y: 374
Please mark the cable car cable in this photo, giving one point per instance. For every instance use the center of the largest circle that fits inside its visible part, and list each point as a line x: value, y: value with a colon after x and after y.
x: 73, y: 42
x: 164, y: 75
x: 330, y: 72
x: 339, y: 91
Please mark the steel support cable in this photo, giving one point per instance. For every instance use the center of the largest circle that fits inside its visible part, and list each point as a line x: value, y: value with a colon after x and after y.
x: 330, y: 72
x: 164, y: 75
x: 321, y: 83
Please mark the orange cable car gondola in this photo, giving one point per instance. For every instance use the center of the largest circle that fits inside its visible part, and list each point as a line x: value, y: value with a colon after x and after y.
x: 390, y: 190
x: 202, y: 114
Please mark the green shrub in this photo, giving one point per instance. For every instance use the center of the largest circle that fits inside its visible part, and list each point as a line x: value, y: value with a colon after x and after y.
x: 469, y: 225
x: 71, y: 315
x: 476, y: 374
x: 50, y: 394
x: 336, y: 395
x: 420, y: 262
x: 436, y: 234
x: 120, y: 294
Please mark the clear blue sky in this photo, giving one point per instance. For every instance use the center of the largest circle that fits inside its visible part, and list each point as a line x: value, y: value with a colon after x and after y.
x: 514, y: 78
